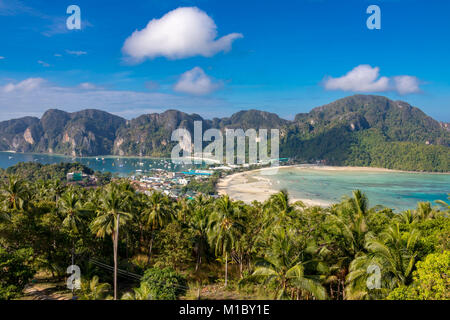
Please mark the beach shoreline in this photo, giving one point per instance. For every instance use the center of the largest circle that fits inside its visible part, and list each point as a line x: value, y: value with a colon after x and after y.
x: 247, y: 187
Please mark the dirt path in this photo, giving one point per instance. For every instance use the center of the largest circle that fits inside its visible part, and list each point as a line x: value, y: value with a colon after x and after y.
x: 45, y: 288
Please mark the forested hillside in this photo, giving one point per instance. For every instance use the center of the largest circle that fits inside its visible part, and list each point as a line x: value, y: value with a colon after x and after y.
x: 358, y: 130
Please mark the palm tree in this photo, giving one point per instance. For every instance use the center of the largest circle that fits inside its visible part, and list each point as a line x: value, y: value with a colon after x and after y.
x: 395, y: 255
x: 407, y: 217
x: 142, y: 293
x: 157, y: 213
x: 93, y: 290
x: 55, y: 189
x: 444, y: 204
x: 183, y: 208
x: 283, y: 269
x: 199, y: 227
x: 114, y: 204
x: 280, y: 210
x: 224, y: 229
x: 71, y: 207
x: 4, y: 217
x: 424, y: 211
x: 16, y: 193
x: 348, y: 220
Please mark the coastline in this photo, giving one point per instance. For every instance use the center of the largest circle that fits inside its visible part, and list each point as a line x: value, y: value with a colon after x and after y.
x: 247, y: 187
x: 106, y: 156
x: 243, y: 186
x: 215, y: 161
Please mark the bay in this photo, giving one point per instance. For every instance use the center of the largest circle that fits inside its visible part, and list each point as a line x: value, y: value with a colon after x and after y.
x: 123, y: 166
x: 393, y: 189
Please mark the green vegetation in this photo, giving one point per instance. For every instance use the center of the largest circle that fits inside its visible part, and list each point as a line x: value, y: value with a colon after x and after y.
x: 360, y: 130
x: 32, y: 171
x: 130, y: 245
x: 163, y: 284
x: 431, y: 280
x: 207, y: 186
x: 15, y: 272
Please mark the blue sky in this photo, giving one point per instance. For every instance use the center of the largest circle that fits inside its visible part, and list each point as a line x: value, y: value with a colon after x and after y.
x: 281, y: 56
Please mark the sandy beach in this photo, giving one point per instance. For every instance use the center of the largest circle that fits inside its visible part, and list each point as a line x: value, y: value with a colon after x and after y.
x: 248, y: 187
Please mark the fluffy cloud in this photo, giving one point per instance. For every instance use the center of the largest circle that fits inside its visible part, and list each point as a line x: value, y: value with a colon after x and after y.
x: 76, y: 53
x: 43, y: 63
x: 364, y: 78
x: 181, y: 33
x: 88, y: 86
x: 152, y: 85
x: 23, y: 86
x: 31, y: 97
x: 196, y: 82
x: 406, y: 84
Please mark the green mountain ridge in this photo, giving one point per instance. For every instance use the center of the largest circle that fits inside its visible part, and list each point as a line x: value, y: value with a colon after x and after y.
x: 361, y: 130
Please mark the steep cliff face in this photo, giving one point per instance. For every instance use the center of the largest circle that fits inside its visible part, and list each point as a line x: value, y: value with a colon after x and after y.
x: 15, y: 133
x: 151, y: 134
x: 357, y: 130
x: 398, y: 120
x: 88, y: 132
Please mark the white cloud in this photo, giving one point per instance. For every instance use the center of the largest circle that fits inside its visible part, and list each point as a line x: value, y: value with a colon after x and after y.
x: 88, y: 86
x: 23, y: 86
x: 407, y: 84
x: 1, y: 57
x: 364, y: 78
x: 58, y: 55
x: 152, y: 85
x: 53, y: 24
x: 196, y: 82
x: 183, y: 32
x: 43, y: 63
x: 76, y: 53
x: 33, y: 96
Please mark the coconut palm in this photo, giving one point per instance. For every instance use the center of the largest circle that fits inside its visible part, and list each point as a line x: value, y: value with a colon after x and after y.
x: 224, y: 229
x: 424, y: 211
x: 280, y: 210
x: 350, y: 217
x: 444, y: 204
x: 113, y: 211
x: 283, y: 270
x: 198, y: 224
x: 70, y: 206
x: 394, y: 253
x: 347, y: 221
x: 183, y: 208
x: 156, y: 214
x: 407, y: 217
x: 94, y: 290
x: 16, y: 193
x: 141, y: 293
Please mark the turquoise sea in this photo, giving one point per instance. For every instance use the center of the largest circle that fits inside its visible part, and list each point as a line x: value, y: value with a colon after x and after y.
x: 397, y: 190
x: 123, y: 166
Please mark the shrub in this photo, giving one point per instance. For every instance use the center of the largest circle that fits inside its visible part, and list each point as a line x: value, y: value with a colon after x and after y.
x: 15, y: 272
x: 164, y: 284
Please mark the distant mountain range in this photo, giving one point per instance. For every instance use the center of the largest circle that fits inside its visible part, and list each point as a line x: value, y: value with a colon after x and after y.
x: 361, y: 130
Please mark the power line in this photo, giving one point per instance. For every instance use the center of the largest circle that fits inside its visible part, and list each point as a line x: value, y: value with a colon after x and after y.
x: 128, y: 274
